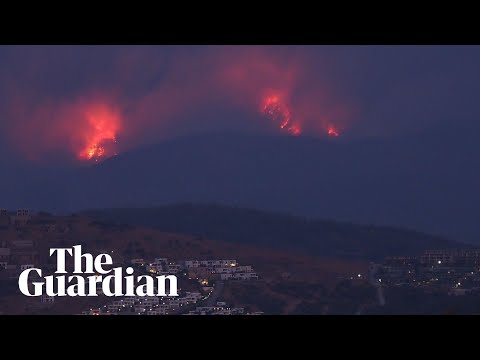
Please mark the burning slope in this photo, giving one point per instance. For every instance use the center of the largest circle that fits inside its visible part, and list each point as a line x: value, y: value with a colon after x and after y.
x: 166, y: 98
x: 85, y: 128
x: 333, y: 131
x: 100, y: 136
x: 279, y: 113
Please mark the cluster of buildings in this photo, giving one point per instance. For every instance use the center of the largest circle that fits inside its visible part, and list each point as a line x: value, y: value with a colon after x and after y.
x: 24, y: 218
x: 221, y: 308
x: 219, y: 269
x: 19, y: 218
x: 146, y: 305
x: 159, y: 266
x: 16, y: 256
x: 454, y: 271
x: 205, y: 269
x: 19, y: 253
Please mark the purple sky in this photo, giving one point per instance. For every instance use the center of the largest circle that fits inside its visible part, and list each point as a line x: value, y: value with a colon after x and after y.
x: 156, y: 92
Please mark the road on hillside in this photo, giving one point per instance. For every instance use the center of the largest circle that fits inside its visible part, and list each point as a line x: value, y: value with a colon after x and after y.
x: 217, y: 291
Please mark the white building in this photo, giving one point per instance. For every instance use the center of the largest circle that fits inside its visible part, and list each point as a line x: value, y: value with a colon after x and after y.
x: 137, y: 261
x: 222, y: 312
x: 129, y: 300
x: 22, y: 217
x: 92, y: 312
x: 140, y: 309
x: 159, y: 266
x: 192, y: 296
x: 228, y: 262
x: 209, y: 263
x: 150, y: 301
x: 243, y: 268
x: 177, y: 302
x: 114, y: 308
x: 205, y: 309
x: 22, y: 244
x: 156, y: 311
x: 23, y: 212
x: 155, y: 268
x: 245, y: 276
x: 45, y: 299
x: 224, y: 270
x: 173, y: 268
x: 233, y: 269
x: 192, y: 263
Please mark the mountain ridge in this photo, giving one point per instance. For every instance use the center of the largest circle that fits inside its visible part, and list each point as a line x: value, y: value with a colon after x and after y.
x: 278, y: 231
x: 424, y: 183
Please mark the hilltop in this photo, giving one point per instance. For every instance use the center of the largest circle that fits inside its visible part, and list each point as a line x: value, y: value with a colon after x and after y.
x: 278, y: 231
x: 280, y: 271
x: 426, y: 182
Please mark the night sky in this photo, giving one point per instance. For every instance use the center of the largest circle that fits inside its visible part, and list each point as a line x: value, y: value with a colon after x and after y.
x: 158, y: 92
x: 417, y: 106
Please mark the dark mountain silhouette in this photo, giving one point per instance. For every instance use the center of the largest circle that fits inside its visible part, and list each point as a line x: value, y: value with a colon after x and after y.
x: 277, y: 231
x: 426, y: 182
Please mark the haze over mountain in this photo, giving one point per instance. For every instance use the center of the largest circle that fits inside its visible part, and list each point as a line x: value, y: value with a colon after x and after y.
x: 426, y: 182
x: 278, y: 231
x: 407, y: 116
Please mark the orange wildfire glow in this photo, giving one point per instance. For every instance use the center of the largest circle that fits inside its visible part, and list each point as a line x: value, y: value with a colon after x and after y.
x: 86, y: 127
x: 102, y: 126
x: 279, y: 112
x: 332, y: 131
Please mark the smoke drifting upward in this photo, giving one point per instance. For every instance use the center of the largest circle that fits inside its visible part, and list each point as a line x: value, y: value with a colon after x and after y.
x: 275, y: 92
x: 85, y: 129
x: 145, y: 96
x: 103, y: 125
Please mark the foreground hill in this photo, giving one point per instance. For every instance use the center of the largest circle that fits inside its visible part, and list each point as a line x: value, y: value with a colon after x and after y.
x: 278, y: 231
x: 426, y: 182
x: 279, y: 271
